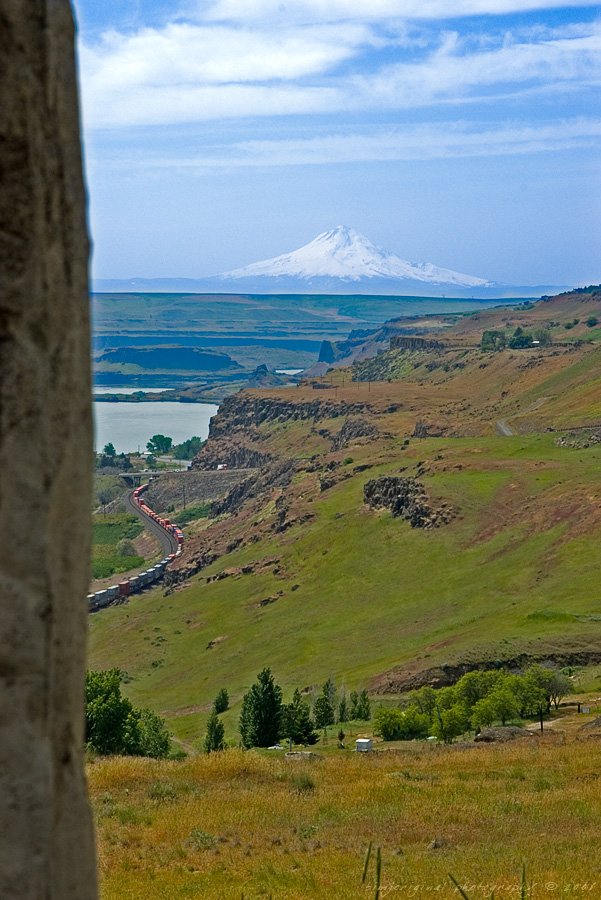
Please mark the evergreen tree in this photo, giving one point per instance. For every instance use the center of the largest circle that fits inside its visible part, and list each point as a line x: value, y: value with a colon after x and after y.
x: 354, y: 700
x: 363, y: 707
x: 298, y: 724
x: 260, y: 719
x: 323, y: 708
x: 215, y: 732
x: 343, y: 710
x: 222, y: 701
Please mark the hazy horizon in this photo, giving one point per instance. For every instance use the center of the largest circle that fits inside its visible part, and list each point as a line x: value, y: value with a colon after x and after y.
x: 221, y: 133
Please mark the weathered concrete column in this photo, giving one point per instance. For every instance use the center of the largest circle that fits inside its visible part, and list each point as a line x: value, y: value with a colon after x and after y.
x: 46, y: 840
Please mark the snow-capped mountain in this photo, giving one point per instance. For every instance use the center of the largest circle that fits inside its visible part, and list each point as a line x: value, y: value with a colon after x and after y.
x: 348, y: 258
x: 337, y: 262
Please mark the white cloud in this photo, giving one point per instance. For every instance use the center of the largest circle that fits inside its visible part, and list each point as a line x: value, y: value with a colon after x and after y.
x: 190, y: 73
x: 450, y: 73
x: 442, y: 140
x: 188, y: 54
x: 286, y: 11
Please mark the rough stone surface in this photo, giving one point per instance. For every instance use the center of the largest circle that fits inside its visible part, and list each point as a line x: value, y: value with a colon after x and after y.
x: 405, y: 497
x: 500, y: 734
x: 46, y: 837
x: 195, y: 487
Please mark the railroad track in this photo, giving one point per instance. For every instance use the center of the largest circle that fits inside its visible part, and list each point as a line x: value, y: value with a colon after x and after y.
x: 171, y: 539
x: 168, y: 541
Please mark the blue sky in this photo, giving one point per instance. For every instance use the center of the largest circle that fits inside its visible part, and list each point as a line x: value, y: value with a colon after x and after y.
x: 462, y: 132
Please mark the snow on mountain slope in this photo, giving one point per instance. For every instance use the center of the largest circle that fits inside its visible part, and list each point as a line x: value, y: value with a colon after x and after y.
x: 344, y: 254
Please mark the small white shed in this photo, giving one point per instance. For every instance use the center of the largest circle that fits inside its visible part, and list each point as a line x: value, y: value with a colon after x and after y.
x: 364, y: 745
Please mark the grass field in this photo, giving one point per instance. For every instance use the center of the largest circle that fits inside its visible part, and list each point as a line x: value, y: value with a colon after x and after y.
x: 514, y: 572
x: 107, y: 531
x: 236, y: 824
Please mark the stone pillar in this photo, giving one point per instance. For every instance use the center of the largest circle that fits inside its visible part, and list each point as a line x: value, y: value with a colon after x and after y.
x: 46, y: 836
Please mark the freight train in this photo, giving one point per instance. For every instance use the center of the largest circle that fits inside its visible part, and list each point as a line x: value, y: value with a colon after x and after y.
x: 102, y: 599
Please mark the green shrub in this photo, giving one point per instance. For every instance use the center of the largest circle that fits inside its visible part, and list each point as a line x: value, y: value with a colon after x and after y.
x: 302, y: 782
x: 125, y: 547
x: 392, y: 724
x: 201, y: 840
x: 192, y: 513
x: 592, y: 321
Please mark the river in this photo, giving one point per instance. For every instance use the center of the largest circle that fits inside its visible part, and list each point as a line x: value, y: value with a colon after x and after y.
x: 128, y: 426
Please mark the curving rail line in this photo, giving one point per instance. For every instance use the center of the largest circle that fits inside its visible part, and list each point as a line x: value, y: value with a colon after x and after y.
x: 170, y: 536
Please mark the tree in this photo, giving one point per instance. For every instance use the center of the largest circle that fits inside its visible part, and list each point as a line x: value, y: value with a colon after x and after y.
x: 520, y: 339
x: 542, y: 678
x: 215, y: 733
x: 543, y: 336
x: 298, y: 725
x: 158, y: 443
x: 528, y: 693
x: 363, y: 707
x: 354, y: 700
x: 343, y: 710
x: 504, y: 703
x: 393, y: 725
x: 474, y: 686
x: 105, y: 496
x: 222, y: 701
x: 153, y: 736
x: 592, y: 321
x: 114, y: 725
x: 323, y: 708
x: 109, y: 450
x: 108, y: 714
x: 425, y: 700
x: 188, y: 449
x: 126, y: 547
x: 449, y: 723
x: 483, y: 713
x: 559, y: 686
x: 260, y: 719
x: 493, y: 340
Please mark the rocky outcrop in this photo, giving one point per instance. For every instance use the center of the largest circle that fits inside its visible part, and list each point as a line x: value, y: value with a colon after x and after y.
x: 405, y: 497
x: 193, y: 487
x: 244, y: 411
x: 46, y: 844
x: 501, y: 734
x: 409, y: 677
x: 403, y: 342
x: 232, y: 453
x: 352, y: 429
x: 277, y: 475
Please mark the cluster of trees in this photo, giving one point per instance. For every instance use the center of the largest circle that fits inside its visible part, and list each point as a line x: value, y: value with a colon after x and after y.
x: 115, y: 726
x: 188, y: 449
x: 520, y: 339
x: 113, y: 460
x: 265, y: 718
x: 159, y: 443
x: 479, y: 699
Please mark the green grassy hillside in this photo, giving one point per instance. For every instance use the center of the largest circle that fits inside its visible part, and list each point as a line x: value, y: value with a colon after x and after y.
x: 336, y: 589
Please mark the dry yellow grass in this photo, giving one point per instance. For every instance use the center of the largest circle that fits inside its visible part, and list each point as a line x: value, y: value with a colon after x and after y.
x: 240, y: 823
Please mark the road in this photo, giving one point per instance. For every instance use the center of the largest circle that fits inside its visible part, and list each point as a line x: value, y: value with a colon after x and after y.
x: 502, y: 426
x: 504, y: 429
x: 168, y: 542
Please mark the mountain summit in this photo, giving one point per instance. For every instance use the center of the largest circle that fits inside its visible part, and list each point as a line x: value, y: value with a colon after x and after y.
x: 346, y: 257
x: 337, y: 262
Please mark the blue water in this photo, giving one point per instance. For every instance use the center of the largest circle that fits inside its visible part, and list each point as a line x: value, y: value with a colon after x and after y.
x: 128, y: 426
